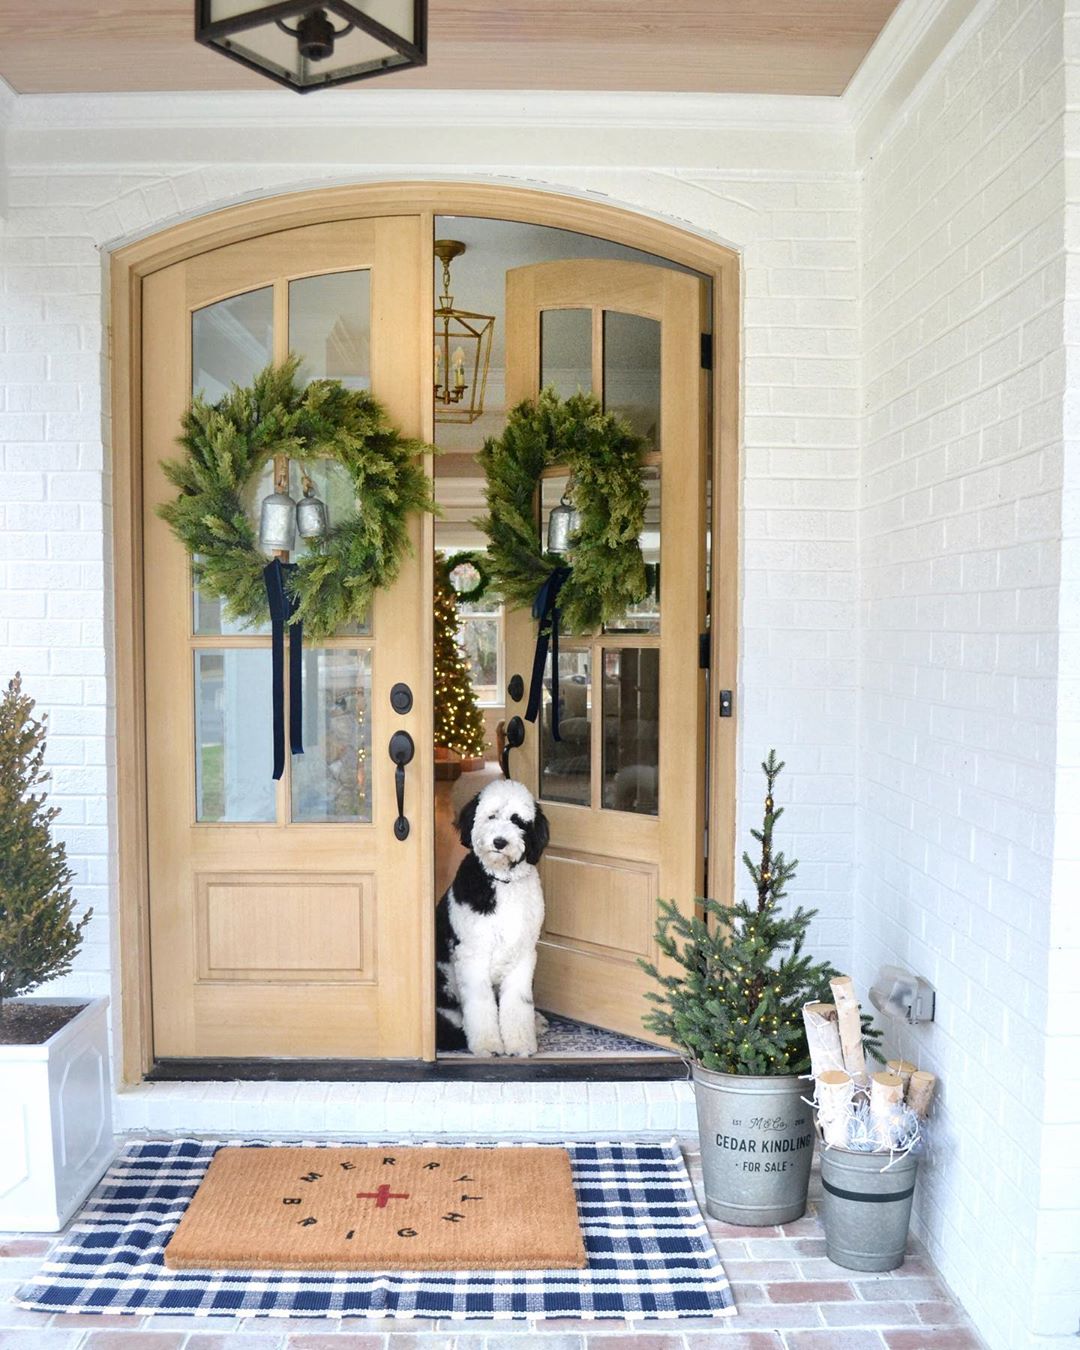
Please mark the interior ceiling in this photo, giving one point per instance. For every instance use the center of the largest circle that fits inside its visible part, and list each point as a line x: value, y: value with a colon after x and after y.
x: 692, y: 46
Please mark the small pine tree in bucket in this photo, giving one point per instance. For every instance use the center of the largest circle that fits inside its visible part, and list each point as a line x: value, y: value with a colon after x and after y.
x: 39, y: 936
x: 735, y: 1006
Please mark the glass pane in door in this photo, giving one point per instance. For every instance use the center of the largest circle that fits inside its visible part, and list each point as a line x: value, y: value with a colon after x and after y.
x: 632, y: 372
x: 566, y: 764
x: 632, y: 730
x: 231, y: 341
x: 644, y: 617
x: 233, y: 750
x: 566, y: 351
x: 330, y: 780
x: 330, y: 327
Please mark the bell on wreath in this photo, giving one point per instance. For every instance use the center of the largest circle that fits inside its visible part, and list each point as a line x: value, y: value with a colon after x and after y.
x: 563, y: 523
x: 277, y: 523
x: 311, y: 518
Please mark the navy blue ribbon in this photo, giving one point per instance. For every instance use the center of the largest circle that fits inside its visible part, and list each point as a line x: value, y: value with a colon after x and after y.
x: 282, y: 609
x: 546, y: 612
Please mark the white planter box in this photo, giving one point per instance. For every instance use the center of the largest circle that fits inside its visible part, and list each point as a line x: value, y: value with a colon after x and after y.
x: 56, y: 1136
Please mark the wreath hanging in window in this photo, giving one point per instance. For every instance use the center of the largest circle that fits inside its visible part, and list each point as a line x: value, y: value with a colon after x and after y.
x: 470, y: 575
x: 602, y: 573
x: 226, y: 447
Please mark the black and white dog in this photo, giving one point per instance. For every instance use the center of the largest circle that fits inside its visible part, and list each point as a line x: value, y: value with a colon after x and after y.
x: 487, y: 925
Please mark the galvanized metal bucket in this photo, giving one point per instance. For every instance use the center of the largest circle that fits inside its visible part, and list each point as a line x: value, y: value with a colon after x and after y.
x: 757, y: 1142
x: 866, y: 1210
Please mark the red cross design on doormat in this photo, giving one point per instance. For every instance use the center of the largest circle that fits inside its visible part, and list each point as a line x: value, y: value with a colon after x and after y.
x: 381, y: 1196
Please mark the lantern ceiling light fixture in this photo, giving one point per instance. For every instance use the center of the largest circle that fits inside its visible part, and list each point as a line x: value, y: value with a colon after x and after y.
x: 462, y: 349
x: 305, y: 46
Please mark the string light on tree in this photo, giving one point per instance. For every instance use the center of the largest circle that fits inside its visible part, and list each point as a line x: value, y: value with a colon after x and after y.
x: 736, y: 1003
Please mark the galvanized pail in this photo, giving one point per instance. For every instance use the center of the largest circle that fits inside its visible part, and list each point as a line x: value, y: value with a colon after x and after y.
x: 757, y: 1141
x: 866, y: 1210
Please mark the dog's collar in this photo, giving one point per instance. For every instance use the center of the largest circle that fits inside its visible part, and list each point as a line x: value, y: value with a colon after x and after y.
x: 505, y: 881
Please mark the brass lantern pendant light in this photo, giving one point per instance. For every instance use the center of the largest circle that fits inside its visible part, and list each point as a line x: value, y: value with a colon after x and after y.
x: 462, y: 349
x: 307, y: 46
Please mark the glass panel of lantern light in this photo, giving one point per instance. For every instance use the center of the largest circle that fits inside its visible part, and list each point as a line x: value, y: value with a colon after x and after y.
x: 631, y: 750
x: 331, y: 780
x: 644, y: 617
x: 231, y: 341
x: 566, y: 351
x: 632, y: 372
x: 233, y: 750
x: 566, y: 764
x: 277, y: 48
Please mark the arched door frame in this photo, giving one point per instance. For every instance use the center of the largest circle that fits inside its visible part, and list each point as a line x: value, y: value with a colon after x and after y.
x: 131, y: 263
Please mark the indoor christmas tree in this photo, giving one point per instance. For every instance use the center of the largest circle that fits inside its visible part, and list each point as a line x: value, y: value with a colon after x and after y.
x: 737, y: 1006
x: 38, y: 936
x: 459, y: 723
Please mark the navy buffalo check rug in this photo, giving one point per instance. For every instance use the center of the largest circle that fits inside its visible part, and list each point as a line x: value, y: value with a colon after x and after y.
x: 648, y: 1251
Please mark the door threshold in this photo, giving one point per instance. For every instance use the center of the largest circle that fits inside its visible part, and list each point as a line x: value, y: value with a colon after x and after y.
x: 640, y: 1068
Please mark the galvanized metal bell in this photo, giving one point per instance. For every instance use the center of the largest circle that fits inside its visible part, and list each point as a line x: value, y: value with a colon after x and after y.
x: 311, y: 518
x: 277, y: 523
x: 563, y: 523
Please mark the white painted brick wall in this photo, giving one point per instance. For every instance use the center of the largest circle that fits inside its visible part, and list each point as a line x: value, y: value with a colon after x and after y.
x: 960, y: 521
x: 71, y: 195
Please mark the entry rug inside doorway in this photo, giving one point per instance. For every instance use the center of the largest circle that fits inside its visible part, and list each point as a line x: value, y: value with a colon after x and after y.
x: 647, y: 1248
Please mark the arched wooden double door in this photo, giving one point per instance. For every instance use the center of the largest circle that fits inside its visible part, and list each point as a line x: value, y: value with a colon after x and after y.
x: 287, y: 919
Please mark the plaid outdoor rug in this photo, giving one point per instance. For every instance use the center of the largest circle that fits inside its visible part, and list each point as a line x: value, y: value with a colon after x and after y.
x: 649, y: 1253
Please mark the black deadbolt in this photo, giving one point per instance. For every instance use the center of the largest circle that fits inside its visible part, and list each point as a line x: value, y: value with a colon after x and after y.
x: 516, y: 688
x: 401, y: 698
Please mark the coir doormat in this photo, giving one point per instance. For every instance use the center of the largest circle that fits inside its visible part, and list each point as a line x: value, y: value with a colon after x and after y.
x: 647, y: 1249
x: 380, y: 1209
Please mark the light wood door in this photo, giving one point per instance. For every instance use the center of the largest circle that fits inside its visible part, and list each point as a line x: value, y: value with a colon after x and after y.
x: 624, y: 786
x: 286, y: 919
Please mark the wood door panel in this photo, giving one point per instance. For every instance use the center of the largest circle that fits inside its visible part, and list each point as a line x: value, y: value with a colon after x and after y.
x: 595, y: 988
x: 274, y: 926
x: 321, y: 1021
x: 605, y: 867
x: 598, y: 904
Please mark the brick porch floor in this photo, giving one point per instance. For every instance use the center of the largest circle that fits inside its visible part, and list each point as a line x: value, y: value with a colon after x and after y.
x: 790, y: 1297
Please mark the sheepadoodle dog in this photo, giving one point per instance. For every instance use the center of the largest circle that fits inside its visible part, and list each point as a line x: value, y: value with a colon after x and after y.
x: 487, y: 925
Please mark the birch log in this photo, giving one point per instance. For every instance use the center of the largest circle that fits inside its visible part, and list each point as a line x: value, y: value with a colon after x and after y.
x: 886, y: 1095
x: 921, y: 1092
x: 903, y: 1068
x: 834, y: 1090
x: 848, y: 1014
x: 823, y: 1037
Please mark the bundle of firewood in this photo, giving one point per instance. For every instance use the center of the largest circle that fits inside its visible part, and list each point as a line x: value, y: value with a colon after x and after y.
x: 855, y: 1108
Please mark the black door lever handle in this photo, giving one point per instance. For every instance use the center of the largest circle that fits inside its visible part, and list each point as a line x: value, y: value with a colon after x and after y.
x: 402, y: 750
x: 515, y: 735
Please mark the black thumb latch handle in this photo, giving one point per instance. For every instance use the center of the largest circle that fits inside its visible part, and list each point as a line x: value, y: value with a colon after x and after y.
x: 402, y: 750
x: 515, y: 736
